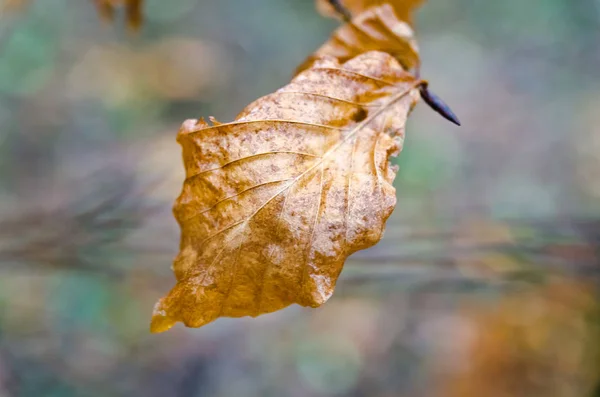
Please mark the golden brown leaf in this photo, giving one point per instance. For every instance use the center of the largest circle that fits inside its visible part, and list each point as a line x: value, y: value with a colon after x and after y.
x: 403, y: 8
x: 275, y: 201
x: 133, y: 10
x: 376, y: 29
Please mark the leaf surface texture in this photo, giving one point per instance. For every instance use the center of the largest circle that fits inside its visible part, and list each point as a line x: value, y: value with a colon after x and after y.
x: 274, y: 202
x: 376, y: 29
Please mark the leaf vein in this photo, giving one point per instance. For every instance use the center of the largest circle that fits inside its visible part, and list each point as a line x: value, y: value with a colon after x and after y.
x: 304, y: 268
x: 328, y: 97
x: 250, y: 157
x: 247, y: 122
x: 221, y: 201
x: 352, y: 72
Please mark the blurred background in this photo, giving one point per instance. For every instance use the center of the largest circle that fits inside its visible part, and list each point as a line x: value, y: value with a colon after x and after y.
x: 485, y: 284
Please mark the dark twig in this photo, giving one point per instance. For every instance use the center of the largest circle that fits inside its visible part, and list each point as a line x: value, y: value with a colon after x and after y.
x: 340, y: 9
x: 436, y: 103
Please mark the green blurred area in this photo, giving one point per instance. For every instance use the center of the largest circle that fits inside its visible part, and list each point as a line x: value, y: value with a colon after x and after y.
x: 505, y: 208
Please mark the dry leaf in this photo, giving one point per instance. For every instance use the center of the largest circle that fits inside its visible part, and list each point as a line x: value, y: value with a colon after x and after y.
x: 377, y: 29
x: 133, y: 10
x: 403, y: 8
x: 275, y: 201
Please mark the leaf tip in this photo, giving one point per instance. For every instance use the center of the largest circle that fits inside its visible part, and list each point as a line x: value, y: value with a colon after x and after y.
x: 161, y: 321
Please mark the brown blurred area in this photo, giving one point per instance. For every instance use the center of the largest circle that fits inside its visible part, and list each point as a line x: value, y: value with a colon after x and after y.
x: 485, y: 284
